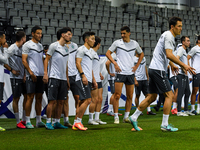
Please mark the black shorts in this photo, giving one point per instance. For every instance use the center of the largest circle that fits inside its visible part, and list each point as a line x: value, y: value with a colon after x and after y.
x: 84, y: 90
x: 158, y: 82
x: 99, y: 85
x: 57, y: 89
x: 143, y: 86
x: 196, y: 80
x: 34, y: 87
x: 18, y: 87
x: 1, y: 90
x: 126, y: 79
x: 73, y: 86
x: 112, y: 86
x: 174, y: 82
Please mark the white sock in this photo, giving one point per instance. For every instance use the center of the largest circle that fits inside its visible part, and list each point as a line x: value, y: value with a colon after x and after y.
x: 136, y: 115
x: 38, y: 119
x: 110, y: 108
x: 192, y: 107
x: 174, y: 105
x: 198, y: 106
x: 28, y: 119
x: 66, y: 119
x: 97, y: 115
x: 165, y: 120
x: 78, y: 120
x: 58, y: 120
x: 53, y: 120
x: 148, y: 109
x: 24, y: 116
x: 75, y: 121
x: 126, y: 115
x: 17, y: 117
x: 48, y: 120
x: 91, y: 116
x: 116, y: 115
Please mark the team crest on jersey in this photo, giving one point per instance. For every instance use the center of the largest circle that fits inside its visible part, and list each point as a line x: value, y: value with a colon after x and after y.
x: 66, y: 49
x: 72, y: 46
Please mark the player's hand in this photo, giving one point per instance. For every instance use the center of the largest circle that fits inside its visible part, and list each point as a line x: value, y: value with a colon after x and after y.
x: 102, y: 77
x: 190, y: 79
x: 45, y: 79
x: 95, y: 85
x: 33, y: 77
x: 84, y: 80
x: 189, y: 69
x: 112, y: 74
x: 5, y: 45
x: 174, y: 70
x: 134, y: 69
x: 24, y: 79
x: 117, y: 69
x: 136, y: 83
x: 15, y: 72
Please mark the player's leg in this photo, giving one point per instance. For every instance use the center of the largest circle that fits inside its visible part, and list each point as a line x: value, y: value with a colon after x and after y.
x: 98, y: 106
x: 117, y: 95
x: 195, y: 88
x: 1, y: 98
x: 49, y: 111
x: 94, y: 100
x: 110, y: 111
x: 66, y: 113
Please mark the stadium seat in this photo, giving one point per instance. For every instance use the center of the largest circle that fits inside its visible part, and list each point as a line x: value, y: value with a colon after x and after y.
x: 28, y: 30
x: 58, y: 16
x: 66, y: 17
x: 55, y: 3
x: 51, y: 30
x: 112, y: 20
x: 49, y: 15
x: 71, y: 24
x: 31, y: 14
x: 109, y: 34
x: 45, y: 8
x: 54, y: 38
x: 62, y: 23
x: 46, y: 40
x: 98, y: 19
x: 81, y: 17
x: 84, y: 12
x: 117, y: 34
x: 53, y: 22
x: 74, y: 17
x: 108, y: 41
x: 118, y: 27
x: 95, y: 25
x: 2, y: 5
x: 68, y: 10
x: 103, y: 26
x: 27, y: 6
x: 101, y: 33
x: 92, y: 12
x: 53, y: 9
x: 11, y: 13
x: 111, y: 27
x: 41, y: 14
x: 19, y: 6
x: 105, y: 19
x: 139, y: 36
x: 26, y: 21
x: 35, y: 21
x: 87, y: 25
x: 36, y: 7
x: 16, y: 21
x: 61, y: 10
x: 90, y: 19
x: 106, y: 13
x: 64, y: 4
x: 77, y: 32
x: 31, y: 1
x: 39, y: 2
x: 47, y: 2
x: 10, y: 5
x: 22, y: 13
x: 45, y: 22
x: 75, y: 39
x: 71, y: 4
x: 79, y: 24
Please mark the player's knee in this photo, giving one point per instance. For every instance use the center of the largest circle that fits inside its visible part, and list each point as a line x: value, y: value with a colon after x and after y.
x: 117, y: 96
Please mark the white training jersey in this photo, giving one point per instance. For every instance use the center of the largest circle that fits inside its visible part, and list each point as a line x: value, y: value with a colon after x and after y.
x: 14, y: 55
x: 181, y: 52
x: 96, y: 66
x: 86, y: 62
x: 159, y: 60
x: 125, y: 54
x: 57, y: 66
x: 72, y: 70
x: 35, y: 54
x: 140, y: 73
x: 112, y: 67
x: 3, y: 60
x: 195, y: 58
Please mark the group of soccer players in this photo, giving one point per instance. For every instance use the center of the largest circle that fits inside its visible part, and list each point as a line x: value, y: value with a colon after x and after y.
x: 67, y: 66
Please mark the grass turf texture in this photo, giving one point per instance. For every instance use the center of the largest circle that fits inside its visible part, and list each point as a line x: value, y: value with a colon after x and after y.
x: 110, y: 136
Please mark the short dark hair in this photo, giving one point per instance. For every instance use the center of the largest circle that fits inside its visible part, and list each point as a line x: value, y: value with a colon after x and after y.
x: 87, y: 34
x: 1, y: 34
x: 46, y: 47
x: 61, y: 31
x: 125, y: 28
x: 19, y: 35
x: 173, y: 21
x: 97, y: 41
x: 35, y: 28
x: 183, y: 38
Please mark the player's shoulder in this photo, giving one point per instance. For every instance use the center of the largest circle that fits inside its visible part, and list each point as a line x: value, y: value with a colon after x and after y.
x: 74, y: 45
x: 28, y: 43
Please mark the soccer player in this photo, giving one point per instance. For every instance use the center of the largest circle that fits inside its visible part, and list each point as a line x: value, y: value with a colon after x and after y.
x: 158, y: 81
x: 2, y: 61
x: 111, y: 79
x: 141, y: 82
x: 32, y: 53
x: 84, y: 78
x: 183, y: 81
x: 195, y: 57
x: 72, y: 71
x: 125, y: 50
x: 96, y: 94
x: 14, y: 55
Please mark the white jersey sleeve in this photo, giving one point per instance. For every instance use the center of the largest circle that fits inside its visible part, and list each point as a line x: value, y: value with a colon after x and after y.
x: 138, y: 48
x: 180, y: 52
x: 80, y: 53
x: 192, y: 52
x: 25, y: 48
x: 113, y: 47
x: 51, y: 49
x: 169, y: 43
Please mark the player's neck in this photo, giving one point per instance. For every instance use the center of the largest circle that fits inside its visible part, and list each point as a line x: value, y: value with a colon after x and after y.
x: 95, y: 49
x: 68, y: 42
x: 184, y: 46
x: 18, y: 44
x: 127, y: 40
x: 172, y: 32
x: 87, y: 45
x: 34, y: 40
x: 62, y: 42
x: 198, y: 45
